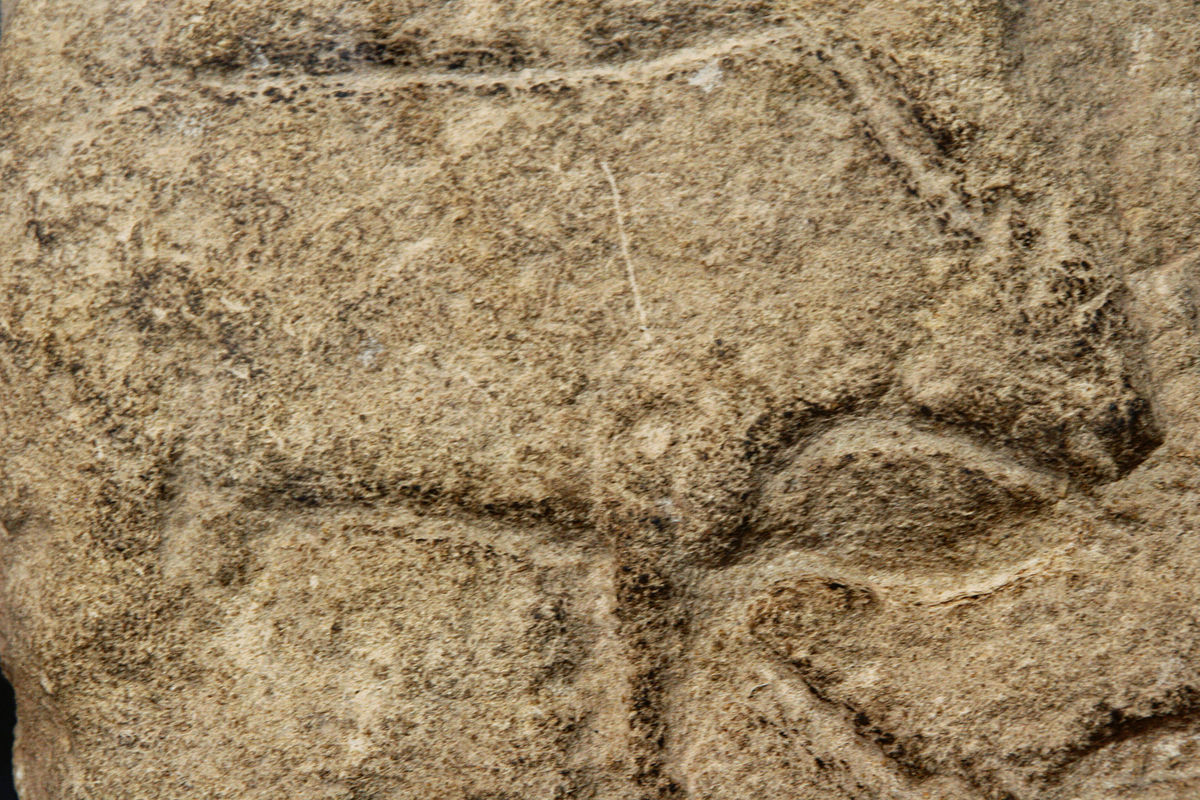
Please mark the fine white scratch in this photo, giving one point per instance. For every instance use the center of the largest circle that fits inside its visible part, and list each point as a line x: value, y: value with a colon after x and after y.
x: 644, y: 323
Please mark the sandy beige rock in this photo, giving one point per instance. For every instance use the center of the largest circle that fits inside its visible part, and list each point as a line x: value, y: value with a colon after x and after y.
x: 608, y: 400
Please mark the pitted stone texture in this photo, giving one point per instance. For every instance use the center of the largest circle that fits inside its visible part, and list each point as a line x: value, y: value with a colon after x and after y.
x: 601, y: 400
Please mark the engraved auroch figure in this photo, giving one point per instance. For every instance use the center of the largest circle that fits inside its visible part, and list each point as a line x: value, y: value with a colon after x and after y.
x: 599, y: 399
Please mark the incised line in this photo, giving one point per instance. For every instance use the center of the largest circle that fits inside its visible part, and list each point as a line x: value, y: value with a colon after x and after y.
x: 643, y: 322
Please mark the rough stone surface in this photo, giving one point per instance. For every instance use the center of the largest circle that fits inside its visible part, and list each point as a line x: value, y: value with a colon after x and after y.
x: 617, y: 399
